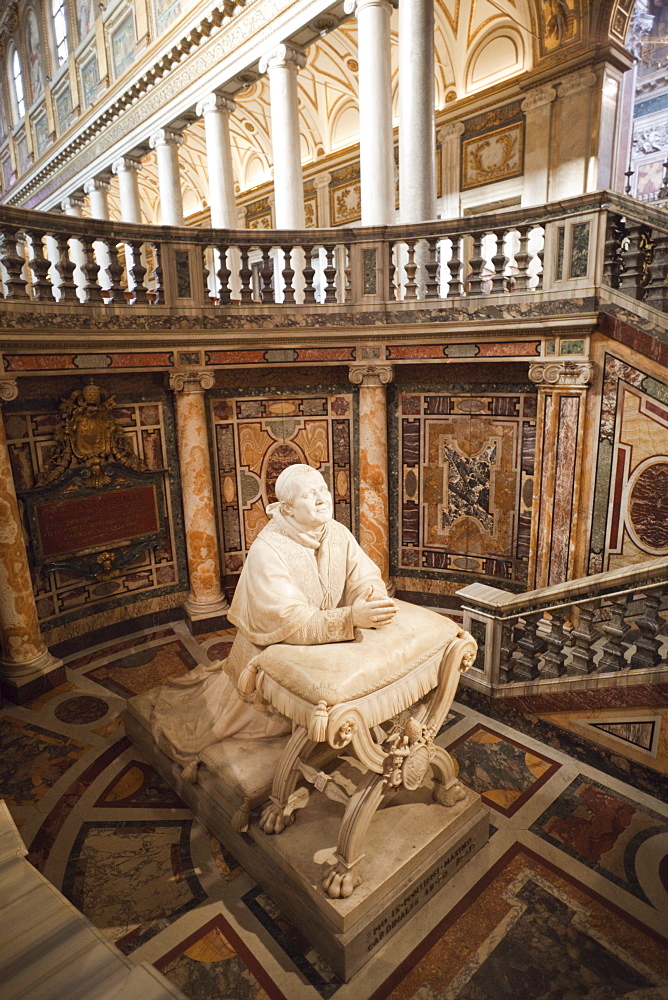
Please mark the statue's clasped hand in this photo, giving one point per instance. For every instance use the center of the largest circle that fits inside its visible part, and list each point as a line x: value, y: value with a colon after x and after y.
x: 373, y: 612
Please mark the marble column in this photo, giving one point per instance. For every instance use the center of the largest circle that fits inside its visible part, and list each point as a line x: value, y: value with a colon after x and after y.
x: 206, y: 598
x: 126, y: 169
x: 450, y: 138
x: 282, y: 65
x: 537, y: 108
x: 166, y: 142
x: 24, y: 657
x: 417, y: 137
x: 97, y: 189
x: 374, y: 480
x: 556, y: 527
x: 375, y: 107
x: 216, y: 111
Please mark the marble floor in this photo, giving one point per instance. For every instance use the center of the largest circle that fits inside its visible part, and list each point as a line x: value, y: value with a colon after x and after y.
x: 568, y: 900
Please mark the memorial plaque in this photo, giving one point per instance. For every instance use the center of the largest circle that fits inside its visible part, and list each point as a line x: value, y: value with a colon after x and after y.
x: 105, y: 518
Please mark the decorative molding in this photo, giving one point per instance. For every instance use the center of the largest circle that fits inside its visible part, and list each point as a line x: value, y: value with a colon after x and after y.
x: 450, y: 131
x: 561, y: 373
x: 9, y: 389
x: 538, y: 98
x: 283, y: 55
x: 165, y: 137
x: 192, y: 380
x: 214, y: 102
x: 371, y: 375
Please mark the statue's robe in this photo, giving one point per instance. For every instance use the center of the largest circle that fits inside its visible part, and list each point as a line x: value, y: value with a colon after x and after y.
x: 295, y: 587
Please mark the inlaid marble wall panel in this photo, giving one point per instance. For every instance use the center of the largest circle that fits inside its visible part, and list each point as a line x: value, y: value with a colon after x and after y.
x: 630, y: 519
x: 61, y: 595
x: 465, y: 485
x: 256, y: 438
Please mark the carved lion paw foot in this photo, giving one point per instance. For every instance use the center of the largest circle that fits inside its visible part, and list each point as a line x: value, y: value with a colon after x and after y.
x: 448, y: 796
x: 340, y: 882
x: 274, y: 820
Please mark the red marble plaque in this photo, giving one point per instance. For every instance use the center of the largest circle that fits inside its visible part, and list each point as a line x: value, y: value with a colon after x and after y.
x: 109, y: 518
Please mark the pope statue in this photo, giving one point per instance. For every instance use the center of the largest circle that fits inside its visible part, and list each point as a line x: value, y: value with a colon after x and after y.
x: 305, y: 581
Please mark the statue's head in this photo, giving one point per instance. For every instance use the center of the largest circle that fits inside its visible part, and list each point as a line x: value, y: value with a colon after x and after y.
x: 304, y: 497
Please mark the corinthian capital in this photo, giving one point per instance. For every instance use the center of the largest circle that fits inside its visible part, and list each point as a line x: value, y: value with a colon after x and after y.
x: 366, y: 375
x: 214, y: 102
x: 561, y: 373
x: 287, y: 56
x: 9, y: 389
x: 191, y: 380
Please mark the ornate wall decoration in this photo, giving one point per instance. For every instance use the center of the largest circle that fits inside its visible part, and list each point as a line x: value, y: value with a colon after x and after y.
x: 631, y: 495
x: 494, y: 156
x: 256, y: 438
x: 466, y: 465
x: 345, y: 203
x: 147, y: 426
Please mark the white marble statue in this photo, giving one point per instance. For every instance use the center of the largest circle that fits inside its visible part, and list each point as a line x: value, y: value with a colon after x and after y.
x: 305, y: 581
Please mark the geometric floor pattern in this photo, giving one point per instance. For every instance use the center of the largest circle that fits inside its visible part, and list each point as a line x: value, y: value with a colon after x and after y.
x: 567, y: 900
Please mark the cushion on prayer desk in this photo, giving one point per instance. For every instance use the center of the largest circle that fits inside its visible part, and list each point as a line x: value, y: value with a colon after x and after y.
x: 383, y: 671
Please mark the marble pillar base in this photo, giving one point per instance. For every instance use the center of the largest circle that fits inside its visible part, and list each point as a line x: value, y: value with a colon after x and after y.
x: 20, y: 683
x: 206, y: 618
x: 413, y: 847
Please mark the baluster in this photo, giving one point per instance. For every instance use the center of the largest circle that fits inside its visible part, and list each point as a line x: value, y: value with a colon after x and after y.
x: 223, y: 274
x: 615, y: 629
x: 432, y: 268
x: 246, y: 276
x: 267, y: 275
x: 330, y: 273
x: 288, y: 275
x: 410, y: 290
x: 554, y: 657
x: 649, y: 625
x: 40, y: 267
x: 394, y: 272
x: 613, y: 266
x: 476, y: 263
x: 309, y: 274
x: 638, y: 255
x: 507, y: 649
x: 522, y: 260
x: 156, y: 273
x: 584, y: 636
x: 136, y: 271
x: 531, y: 645
x: 499, y: 263
x: 657, y: 290
x: 455, y: 266
x: 65, y: 268
x: 15, y: 283
x: 540, y: 254
x: 90, y: 270
x: 116, y: 272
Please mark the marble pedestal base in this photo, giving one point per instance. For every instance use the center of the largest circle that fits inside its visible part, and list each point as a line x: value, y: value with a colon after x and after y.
x: 47, y: 672
x: 413, y: 847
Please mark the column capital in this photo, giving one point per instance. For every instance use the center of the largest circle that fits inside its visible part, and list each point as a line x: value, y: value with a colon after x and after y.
x: 191, y: 380
x: 214, y: 102
x: 322, y: 181
x: 370, y: 375
x: 538, y: 98
x: 73, y: 202
x: 576, y: 82
x: 125, y: 163
x: 96, y: 184
x: 165, y: 137
x: 9, y: 389
x: 283, y: 55
x: 561, y: 374
x: 354, y: 6
x: 450, y: 131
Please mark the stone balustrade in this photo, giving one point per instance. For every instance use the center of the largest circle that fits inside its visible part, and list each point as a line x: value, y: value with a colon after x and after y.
x: 601, y: 630
x: 550, y: 252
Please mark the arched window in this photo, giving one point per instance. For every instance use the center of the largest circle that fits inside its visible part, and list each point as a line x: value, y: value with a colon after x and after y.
x: 60, y: 29
x: 17, y: 78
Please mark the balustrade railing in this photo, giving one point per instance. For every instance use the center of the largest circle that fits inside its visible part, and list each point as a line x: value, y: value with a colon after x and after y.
x: 50, y: 260
x: 613, y: 625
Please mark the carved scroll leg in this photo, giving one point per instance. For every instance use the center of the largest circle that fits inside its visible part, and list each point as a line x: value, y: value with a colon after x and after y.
x: 447, y: 789
x: 342, y: 878
x: 284, y: 800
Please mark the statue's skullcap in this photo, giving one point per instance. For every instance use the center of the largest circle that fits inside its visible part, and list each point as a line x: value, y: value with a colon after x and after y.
x: 285, y: 481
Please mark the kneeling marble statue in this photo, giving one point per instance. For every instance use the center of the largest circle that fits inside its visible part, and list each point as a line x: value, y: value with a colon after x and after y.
x: 305, y: 581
